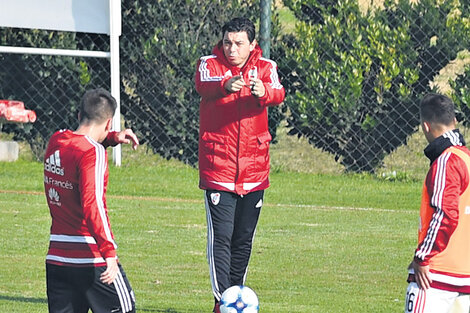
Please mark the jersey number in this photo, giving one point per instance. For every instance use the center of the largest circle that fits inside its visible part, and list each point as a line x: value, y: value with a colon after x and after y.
x: 410, y: 298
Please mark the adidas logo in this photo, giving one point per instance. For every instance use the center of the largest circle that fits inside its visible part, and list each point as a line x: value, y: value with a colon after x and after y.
x: 52, y: 164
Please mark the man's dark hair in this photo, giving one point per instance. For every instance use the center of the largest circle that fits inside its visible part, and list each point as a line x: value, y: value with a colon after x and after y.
x: 97, y: 105
x: 435, y: 108
x: 240, y: 24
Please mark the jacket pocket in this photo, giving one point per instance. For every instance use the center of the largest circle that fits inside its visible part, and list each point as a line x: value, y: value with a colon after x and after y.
x: 214, y: 149
x: 262, y: 153
x: 264, y: 138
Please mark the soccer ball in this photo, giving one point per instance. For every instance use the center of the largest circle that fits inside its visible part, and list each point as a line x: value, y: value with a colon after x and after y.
x: 239, y: 299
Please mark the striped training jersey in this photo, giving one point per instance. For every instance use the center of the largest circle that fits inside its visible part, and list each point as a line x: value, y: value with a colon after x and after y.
x: 444, y: 234
x: 75, y: 181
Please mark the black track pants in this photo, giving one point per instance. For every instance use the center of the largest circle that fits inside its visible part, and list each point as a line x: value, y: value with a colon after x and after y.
x: 231, y: 225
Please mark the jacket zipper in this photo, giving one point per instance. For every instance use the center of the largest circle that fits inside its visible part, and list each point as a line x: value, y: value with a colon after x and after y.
x: 238, y: 135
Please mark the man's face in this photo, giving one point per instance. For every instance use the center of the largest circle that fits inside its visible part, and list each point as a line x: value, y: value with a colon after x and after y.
x: 237, y: 48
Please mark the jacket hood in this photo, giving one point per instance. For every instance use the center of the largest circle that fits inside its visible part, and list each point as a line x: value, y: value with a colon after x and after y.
x: 255, y: 55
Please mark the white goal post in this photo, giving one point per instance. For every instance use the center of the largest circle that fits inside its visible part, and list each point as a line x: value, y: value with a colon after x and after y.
x: 88, y: 16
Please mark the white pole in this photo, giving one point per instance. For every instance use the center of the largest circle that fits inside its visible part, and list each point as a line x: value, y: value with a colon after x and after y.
x: 59, y: 52
x: 115, y: 32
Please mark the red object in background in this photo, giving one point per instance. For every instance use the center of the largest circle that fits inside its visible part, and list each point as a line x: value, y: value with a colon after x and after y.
x: 14, y: 111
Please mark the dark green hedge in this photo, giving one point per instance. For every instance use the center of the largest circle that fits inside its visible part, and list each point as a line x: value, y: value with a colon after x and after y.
x: 161, y: 44
x: 49, y: 85
x: 461, y: 96
x: 355, y: 78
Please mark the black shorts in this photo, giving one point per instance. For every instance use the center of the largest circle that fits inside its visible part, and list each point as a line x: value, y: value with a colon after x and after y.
x: 78, y: 289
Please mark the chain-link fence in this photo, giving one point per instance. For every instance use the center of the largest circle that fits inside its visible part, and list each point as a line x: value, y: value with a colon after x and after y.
x: 49, y: 85
x: 353, y: 71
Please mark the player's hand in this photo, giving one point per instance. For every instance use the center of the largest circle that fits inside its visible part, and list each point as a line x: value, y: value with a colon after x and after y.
x: 127, y: 136
x: 422, y: 275
x: 257, y: 87
x: 234, y: 84
x: 112, y: 269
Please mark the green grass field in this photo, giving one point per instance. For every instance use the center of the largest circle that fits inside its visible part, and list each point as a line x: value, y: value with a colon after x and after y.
x: 325, y: 243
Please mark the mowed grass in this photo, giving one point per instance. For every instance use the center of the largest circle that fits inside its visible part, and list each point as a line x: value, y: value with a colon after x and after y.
x: 325, y: 243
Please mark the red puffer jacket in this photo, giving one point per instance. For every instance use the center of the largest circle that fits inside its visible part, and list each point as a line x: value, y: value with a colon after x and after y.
x: 233, y: 132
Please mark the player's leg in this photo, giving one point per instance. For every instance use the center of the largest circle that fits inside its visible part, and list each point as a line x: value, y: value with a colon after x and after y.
x: 430, y: 301
x: 117, y: 297
x: 246, y: 219
x: 63, y: 296
x: 220, y: 210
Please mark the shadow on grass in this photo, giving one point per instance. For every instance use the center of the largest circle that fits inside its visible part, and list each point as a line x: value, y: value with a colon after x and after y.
x: 44, y: 300
x: 165, y: 311
x: 23, y: 299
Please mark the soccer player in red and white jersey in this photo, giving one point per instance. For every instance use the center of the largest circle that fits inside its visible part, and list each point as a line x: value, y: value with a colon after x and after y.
x: 83, y: 271
x: 439, y: 275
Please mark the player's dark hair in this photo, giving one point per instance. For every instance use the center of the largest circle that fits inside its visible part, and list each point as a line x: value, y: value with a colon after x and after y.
x: 436, y: 108
x: 240, y: 24
x: 97, y: 105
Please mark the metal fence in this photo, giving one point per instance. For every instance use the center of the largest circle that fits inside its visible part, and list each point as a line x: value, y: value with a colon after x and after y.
x: 349, y: 73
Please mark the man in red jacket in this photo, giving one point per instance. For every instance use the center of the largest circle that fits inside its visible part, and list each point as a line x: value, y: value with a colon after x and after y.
x: 439, y: 275
x: 82, y: 269
x: 236, y: 85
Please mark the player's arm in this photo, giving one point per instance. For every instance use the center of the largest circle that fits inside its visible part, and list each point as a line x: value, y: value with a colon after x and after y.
x: 210, y: 82
x: 91, y: 183
x: 445, y: 185
x: 274, y: 92
x: 126, y: 136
